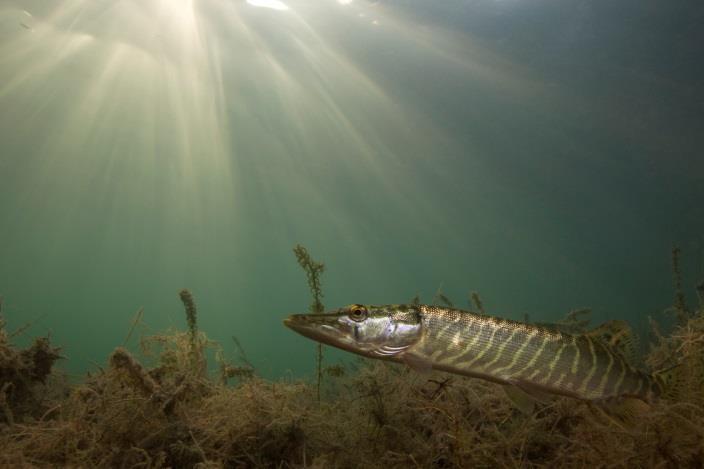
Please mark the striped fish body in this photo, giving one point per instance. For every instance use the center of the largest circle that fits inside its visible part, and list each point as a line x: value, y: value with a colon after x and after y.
x: 528, y: 356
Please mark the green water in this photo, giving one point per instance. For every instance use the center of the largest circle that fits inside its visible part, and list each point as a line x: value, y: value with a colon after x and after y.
x: 546, y: 154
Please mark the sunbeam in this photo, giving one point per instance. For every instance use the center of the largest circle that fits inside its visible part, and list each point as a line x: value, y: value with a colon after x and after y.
x: 273, y: 4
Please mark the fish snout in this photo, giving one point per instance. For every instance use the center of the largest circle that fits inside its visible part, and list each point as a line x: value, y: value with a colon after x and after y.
x: 294, y: 320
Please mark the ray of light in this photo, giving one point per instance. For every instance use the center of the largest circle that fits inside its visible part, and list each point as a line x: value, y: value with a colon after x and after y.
x: 172, y: 102
x: 273, y: 4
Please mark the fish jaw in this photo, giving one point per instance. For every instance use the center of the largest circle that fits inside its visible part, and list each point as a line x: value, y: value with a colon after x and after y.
x: 319, y: 327
x: 323, y: 328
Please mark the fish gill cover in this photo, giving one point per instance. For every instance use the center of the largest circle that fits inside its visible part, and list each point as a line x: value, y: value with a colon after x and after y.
x: 163, y: 406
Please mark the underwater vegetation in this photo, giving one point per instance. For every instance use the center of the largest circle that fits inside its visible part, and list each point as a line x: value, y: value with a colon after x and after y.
x: 313, y: 270
x: 164, y: 406
x: 23, y: 372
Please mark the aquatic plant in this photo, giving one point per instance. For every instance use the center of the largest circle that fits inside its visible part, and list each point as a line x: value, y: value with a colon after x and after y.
x: 23, y: 376
x: 3, y: 334
x: 180, y: 353
x: 135, y: 321
x: 121, y: 359
x: 196, y: 341
x: 477, y: 302
x: 576, y: 321
x: 153, y: 411
x: 385, y: 417
x: 336, y: 371
x: 313, y: 270
x: 441, y: 299
x: 228, y: 370
x: 191, y: 314
x: 679, y: 304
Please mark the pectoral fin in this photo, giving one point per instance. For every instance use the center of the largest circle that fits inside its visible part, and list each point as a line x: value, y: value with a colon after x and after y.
x: 417, y: 363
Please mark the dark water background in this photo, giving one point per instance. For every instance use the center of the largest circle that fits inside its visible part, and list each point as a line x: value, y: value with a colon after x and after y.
x: 547, y: 154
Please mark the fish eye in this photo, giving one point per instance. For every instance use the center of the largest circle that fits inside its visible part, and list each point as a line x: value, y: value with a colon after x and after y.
x: 358, y: 313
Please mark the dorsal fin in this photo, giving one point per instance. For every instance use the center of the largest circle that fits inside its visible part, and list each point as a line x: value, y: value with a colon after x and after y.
x: 618, y: 336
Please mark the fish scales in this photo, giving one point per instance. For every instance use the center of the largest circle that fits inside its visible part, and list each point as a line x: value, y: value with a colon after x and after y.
x: 512, y: 352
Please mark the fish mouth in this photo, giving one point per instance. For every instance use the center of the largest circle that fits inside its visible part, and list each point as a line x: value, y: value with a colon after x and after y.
x: 298, y: 322
x: 318, y: 327
x: 291, y: 322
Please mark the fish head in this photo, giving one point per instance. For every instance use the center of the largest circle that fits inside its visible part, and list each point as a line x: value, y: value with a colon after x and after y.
x: 372, y: 331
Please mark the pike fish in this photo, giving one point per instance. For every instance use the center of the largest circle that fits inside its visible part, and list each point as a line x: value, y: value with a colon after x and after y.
x: 535, y: 359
